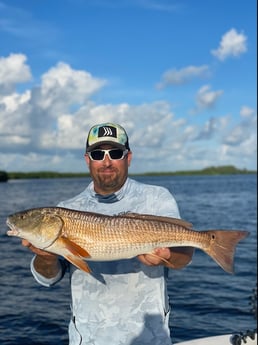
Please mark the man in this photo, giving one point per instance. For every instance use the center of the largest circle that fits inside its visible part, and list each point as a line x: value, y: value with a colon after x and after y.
x: 125, y: 301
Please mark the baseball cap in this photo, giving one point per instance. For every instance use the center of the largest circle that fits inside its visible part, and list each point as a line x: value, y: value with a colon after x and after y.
x: 107, y: 133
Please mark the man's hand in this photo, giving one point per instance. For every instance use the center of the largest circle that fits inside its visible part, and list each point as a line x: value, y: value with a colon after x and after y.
x: 175, y: 257
x: 37, y: 251
x: 156, y: 258
x: 45, y: 263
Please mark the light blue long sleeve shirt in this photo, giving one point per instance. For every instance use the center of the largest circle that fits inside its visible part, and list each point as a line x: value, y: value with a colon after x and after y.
x: 121, y: 302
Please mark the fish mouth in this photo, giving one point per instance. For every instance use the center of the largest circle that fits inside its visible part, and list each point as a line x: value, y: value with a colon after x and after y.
x: 13, y: 231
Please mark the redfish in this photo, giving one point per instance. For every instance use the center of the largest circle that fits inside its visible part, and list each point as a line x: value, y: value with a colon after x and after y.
x: 80, y: 236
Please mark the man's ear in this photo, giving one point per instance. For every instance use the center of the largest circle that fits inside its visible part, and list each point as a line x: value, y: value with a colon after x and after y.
x: 129, y: 157
x: 87, y: 159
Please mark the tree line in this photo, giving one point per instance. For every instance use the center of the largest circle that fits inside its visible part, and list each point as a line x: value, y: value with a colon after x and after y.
x: 213, y: 170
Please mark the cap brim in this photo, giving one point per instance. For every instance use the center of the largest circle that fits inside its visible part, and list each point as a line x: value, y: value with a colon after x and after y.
x: 112, y: 143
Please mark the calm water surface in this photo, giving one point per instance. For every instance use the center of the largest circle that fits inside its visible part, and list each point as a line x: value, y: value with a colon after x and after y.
x: 204, y: 299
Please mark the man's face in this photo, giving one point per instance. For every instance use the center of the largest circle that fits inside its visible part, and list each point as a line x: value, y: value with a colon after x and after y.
x: 108, y: 175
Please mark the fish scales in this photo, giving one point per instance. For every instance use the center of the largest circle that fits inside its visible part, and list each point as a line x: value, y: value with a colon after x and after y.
x: 112, y: 237
x: 117, y: 231
x: 80, y: 236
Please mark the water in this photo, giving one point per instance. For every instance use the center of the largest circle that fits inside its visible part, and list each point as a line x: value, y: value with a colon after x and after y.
x: 205, y: 300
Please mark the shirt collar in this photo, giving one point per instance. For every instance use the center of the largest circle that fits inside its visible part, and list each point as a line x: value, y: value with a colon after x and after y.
x: 110, y: 198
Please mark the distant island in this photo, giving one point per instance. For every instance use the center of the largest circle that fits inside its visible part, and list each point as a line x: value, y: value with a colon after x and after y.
x: 3, y: 176
x: 220, y: 170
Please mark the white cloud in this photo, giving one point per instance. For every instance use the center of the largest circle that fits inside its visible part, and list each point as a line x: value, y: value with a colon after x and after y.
x: 241, y: 154
x: 14, y: 119
x: 247, y: 111
x: 62, y: 87
x: 45, y: 127
x: 232, y: 44
x: 206, y: 99
x: 29, y: 118
x: 208, y: 130
x: 242, y: 131
x: 13, y: 101
x: 13, y: 70
x: 183, y: 75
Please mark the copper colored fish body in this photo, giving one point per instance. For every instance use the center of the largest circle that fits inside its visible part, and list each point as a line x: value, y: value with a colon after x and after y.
x: 80, y: 236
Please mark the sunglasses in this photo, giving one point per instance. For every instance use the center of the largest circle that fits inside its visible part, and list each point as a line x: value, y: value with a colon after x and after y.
x: 113, y: 154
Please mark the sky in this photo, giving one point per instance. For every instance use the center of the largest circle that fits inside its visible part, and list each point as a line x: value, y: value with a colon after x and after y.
x: 178, y: 75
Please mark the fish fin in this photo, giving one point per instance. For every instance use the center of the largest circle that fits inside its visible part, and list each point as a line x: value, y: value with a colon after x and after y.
x: 75, y: 254
x: 74, y: 248
x: 175, y: 221
x: 222, y: 247
x: 78, y: 262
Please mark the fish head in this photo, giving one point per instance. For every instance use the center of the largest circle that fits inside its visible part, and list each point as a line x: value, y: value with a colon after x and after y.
x: 38, y: 226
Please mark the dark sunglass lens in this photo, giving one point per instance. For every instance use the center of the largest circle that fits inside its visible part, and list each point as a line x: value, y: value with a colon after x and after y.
x: 116, y: 154
x: 97, y: 155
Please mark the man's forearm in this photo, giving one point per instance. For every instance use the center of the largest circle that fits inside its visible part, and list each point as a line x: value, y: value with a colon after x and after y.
x: 48, y: 268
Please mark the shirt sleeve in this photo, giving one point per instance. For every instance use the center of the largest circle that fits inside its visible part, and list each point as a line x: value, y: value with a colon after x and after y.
x: 47, y: 282
x: 165, y: 204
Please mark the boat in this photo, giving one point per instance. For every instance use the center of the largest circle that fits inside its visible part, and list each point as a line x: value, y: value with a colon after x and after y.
x: 248, y: 337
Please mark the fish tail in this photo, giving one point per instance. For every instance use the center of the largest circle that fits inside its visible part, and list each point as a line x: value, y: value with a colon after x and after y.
x: 222, y: 247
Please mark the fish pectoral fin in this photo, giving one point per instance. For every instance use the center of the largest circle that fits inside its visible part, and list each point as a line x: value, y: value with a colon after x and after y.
x: 75, y: 254
x: 74, y: 248
x: 78, y: 262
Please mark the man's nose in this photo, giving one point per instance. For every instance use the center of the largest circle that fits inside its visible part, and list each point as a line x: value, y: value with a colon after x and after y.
x: 106, y: 159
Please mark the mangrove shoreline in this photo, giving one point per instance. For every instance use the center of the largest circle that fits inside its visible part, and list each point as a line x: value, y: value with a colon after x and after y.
x: 221, y: 170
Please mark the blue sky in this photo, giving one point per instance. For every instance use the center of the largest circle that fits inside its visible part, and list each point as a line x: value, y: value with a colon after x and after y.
x: 179, y: 75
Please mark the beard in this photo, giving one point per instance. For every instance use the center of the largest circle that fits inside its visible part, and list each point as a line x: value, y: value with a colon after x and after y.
x: 108, y: 181
x: 108, y: 178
